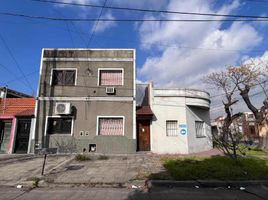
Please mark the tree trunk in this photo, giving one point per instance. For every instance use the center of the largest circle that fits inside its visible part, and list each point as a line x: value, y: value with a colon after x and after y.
x: 263, y: 130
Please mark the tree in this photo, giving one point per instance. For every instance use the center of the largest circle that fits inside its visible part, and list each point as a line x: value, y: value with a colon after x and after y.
x: 229, y: 137
x: 245, y: 77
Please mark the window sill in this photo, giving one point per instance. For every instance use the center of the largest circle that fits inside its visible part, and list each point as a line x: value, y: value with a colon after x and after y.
x: 201, y: 136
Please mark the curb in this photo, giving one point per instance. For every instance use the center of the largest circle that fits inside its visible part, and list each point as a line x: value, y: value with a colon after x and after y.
x: 206, y: 183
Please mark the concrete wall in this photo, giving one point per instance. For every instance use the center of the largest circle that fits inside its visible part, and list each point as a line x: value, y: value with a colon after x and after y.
x: 172, y: 104
x: 168, y: 108
x: 198, y: 144
x: 86, y: 108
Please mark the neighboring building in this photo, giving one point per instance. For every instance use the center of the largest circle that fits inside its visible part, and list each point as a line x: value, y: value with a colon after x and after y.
x: 86, y: 101
x: 16, y: 124
x: 8, y: 93
x: 173, y: 120
x: 246, y: 124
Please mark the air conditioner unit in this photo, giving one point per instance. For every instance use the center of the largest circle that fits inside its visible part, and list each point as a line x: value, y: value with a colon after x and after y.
x: 63, y: 108
x: 110, y: 90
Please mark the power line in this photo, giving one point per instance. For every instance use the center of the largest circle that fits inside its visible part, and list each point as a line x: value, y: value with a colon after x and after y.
x: 171, y: 46
x: 96, y: 24
x: 152, y: 10
x: 129, y: 20
x: 16, y: 62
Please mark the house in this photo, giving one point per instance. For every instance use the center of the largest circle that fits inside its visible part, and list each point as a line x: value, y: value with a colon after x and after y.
x: 86, y: 101
x: 246, y: 124
x: 16, y: 122
x: 9, y: 93
x: 171, y: 120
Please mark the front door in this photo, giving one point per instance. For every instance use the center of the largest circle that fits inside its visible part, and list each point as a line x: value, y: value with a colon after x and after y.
x: 5, y: 130
x: 22, y: 137
x: 143, y: 135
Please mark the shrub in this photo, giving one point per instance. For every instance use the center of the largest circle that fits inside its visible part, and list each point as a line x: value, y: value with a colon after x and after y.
x: 81, y: 157
x: 103, y: 157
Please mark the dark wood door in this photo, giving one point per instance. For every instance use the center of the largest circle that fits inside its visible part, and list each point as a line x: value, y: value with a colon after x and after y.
x: 143, y: 135
x: 23, y: 133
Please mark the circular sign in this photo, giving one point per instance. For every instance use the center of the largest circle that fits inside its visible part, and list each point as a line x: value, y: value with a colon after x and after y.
x: 183, y: 131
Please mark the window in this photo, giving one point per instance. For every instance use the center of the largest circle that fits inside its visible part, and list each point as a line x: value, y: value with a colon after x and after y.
x: 111, y: 126
x: 59, y: 125
x: 199, y: 128
x: 63, y: 77
x: 110, y: 77
x: 172, y: 128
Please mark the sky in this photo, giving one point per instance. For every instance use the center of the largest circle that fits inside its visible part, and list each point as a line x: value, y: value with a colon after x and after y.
x: 171, y: 54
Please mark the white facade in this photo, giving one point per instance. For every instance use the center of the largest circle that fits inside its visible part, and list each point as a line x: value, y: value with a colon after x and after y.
x: 189, y: 109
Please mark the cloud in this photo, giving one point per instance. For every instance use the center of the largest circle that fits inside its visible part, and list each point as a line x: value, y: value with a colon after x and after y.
x: 78, y: 2
x: 102, y: 26
x: 188, y: 51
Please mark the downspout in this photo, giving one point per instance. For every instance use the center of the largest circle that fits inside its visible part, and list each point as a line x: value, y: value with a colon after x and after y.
x: 5, y: 97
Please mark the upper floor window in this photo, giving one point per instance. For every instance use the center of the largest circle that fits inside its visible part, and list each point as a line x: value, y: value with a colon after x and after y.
x: 111, y: 77
x: 63, y: 77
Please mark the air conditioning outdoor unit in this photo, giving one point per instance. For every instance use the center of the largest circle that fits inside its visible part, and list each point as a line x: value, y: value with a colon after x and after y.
x: 110, y: 90
x: 63, y: 108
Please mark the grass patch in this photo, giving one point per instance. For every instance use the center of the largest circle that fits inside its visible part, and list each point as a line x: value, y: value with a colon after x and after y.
x: 253, y: 151
x: 81, y: 157
x: 103, y: 157
x: 217, y: 167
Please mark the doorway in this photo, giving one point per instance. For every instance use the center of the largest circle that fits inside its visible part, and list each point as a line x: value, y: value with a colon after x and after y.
x: 143, y: 131
x: 5, y: 131
x: 22, y: 137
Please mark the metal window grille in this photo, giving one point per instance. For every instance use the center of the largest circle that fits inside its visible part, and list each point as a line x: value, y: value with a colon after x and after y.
x: 172, y: 128
x: 111, y: 126
x: 59, y: 125
x: 111, y: 77
x: 63, y: 77
x: 199, y: 128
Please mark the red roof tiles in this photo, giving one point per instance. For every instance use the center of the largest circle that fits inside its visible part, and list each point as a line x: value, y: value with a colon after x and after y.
x: 144, y: 110
x: 17, y: 107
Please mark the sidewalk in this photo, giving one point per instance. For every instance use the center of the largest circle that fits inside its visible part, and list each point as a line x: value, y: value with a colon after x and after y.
x: 18, y: 170
x: 116, y: 171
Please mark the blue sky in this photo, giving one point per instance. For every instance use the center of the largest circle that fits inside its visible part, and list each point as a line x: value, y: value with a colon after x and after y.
x: 170, y: 54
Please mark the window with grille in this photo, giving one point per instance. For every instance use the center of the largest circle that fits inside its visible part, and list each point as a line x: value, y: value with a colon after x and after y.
x: 111, y: 77
x: 59, y: 125
x: 199, y: 128
x: 111, y: 126
x: 63, y: 77
x: 172, y: 128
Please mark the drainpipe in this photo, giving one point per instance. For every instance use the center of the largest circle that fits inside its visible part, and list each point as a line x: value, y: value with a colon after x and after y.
x: 5, y: 97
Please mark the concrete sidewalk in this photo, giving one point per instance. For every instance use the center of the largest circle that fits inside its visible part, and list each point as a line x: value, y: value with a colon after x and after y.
x: 115, y: 171
x: 20, y: 171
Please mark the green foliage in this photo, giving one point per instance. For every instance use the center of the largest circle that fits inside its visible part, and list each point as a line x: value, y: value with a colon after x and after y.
x: 81, y: 157
x: 218, y: 167
x: 103, y: 157
x: 35, y: 181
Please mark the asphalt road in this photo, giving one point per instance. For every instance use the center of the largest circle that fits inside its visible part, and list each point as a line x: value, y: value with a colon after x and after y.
x: 251, y: 193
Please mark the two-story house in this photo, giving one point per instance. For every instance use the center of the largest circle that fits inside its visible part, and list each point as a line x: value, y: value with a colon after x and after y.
x: 86, y: 101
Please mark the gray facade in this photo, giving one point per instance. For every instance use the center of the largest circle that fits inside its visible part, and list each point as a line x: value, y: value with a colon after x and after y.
x: 90, y: 102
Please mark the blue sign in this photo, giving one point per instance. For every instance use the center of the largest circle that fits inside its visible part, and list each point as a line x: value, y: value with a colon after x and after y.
x: 182, y: 126
x: 183, y: 131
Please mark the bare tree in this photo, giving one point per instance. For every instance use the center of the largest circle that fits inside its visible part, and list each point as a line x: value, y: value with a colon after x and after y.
x: 229, y: 137
x: 245, y: 77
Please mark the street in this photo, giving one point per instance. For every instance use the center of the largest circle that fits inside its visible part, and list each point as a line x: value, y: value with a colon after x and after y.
x: 81, y: 193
